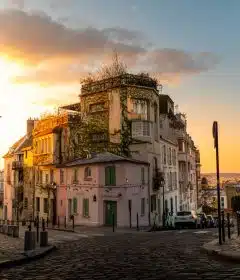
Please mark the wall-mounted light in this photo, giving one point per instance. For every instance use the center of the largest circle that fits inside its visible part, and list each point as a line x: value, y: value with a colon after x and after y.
x: 94, y: 198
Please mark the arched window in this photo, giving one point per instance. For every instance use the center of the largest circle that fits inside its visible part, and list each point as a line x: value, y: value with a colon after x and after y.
x: 87, y: 172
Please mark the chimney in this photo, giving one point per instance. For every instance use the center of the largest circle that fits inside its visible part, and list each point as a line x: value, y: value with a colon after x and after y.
x: 30, y: 126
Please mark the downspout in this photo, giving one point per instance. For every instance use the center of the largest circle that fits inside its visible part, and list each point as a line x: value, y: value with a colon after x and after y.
x: 149, y: 198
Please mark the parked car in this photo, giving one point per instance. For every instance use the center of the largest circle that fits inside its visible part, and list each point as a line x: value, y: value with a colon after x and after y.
x: 186, y: 219
x: 210, y: 221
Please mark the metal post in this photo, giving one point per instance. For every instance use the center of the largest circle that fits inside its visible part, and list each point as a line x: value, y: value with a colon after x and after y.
x: 215, y: 135
x: 58, y: 222
x: 47, y: 222
x: 228, y: 225
x: 163, y: 214
x: 137, y: 222
x: 130, y: 212
x: 65, y: 222
x: 73, y: 224
x: 223, y: 227
x: 37, y: 227
x: 113, y: 222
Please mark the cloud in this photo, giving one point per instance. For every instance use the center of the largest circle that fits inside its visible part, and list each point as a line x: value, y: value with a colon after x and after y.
x: 56, y: 53
x: 20, y: 4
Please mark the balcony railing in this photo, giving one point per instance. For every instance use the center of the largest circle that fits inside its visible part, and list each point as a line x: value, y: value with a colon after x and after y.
x: 136, y: 116
x: 17, y: 164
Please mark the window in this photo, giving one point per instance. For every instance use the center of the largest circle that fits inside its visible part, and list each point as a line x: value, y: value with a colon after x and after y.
x: 85, y: 207
x: 142, y: 175
x: 164, y: 155
x: 143, y: 206
x: 46, y: 179
x: 75, y: 175
x: 98, y: 137
x: 140, y: 107
x: 40, y: 176
x: 61, y: 176
x: 25, y: 203
x: 96, y: 107
x: 45, y: 205
x: 110, y: 176
x: 75, y: 205
x: 51, y: 176
x: 153, y: 203
x: 37, y: 204
x: 171, y: 205
x: 161, y: 124
x: 170, y: 156
x: 140, y: 128
x: 49, y: 145
x: 176, y: 202
x: 174, y: 157
x: 87, y: 172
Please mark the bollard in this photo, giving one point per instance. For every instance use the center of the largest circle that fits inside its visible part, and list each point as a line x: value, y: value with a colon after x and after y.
x: 29, y: 240
x: 58, y: 222
x: 113, y: 222
x: 137, y: 222
x: 37, y: 228
x: 65, y: 222
x: 73, y: 222
x: 223, y: 227
x: 47, y: 222
x: 228, y: 225
x: 43, y: 238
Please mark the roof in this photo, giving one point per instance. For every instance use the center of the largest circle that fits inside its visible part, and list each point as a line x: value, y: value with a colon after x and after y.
x: 14, y: 147
x: 27, y: 143
x: 102, y: 158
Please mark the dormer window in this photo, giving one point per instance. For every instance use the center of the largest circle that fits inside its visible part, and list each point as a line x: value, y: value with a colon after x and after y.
x: 87, y: 173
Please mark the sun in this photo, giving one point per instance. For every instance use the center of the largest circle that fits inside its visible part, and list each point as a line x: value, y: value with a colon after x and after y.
x: 8, y: 70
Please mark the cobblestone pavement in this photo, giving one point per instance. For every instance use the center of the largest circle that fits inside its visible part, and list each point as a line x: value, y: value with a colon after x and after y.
x: 10, y: 248
x: 155, y: 255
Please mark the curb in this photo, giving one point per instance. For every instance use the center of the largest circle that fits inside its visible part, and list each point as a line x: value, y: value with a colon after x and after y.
x: 61, y: 229
x: 26, y: 259
x: 210, y: 249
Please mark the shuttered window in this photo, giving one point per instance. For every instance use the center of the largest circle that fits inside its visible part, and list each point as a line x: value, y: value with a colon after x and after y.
x: 75, y: 205
x: 110, y: 176
x: 86, y: 207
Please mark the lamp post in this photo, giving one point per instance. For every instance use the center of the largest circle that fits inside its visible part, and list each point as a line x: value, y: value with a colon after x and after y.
x: 215, y: 136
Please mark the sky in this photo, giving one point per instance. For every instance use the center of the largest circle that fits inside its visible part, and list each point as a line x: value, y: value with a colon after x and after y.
x: 192, y: 47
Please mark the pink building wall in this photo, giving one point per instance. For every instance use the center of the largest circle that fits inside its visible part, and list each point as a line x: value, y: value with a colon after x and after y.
x: 128, y: 186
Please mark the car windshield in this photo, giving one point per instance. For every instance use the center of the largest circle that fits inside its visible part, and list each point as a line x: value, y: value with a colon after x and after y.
x: 183, y: 213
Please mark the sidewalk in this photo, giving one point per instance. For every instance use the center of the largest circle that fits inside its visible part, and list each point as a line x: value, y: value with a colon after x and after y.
x: 12, y: 251
x: 230, y: 250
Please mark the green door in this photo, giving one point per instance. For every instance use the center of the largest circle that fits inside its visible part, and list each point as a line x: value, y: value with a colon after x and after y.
x: 110, y: 212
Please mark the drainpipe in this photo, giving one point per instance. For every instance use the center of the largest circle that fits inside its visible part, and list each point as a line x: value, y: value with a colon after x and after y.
x: 149, y: 198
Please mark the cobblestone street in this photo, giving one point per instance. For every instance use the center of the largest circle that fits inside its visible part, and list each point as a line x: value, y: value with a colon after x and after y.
x: 156, y: 255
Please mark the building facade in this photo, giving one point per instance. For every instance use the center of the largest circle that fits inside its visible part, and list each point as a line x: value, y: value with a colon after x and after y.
x: 104, y: 188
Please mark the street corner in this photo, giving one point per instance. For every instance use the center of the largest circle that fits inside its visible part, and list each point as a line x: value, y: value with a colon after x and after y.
x: 229, y: 251
x: 26, y: 257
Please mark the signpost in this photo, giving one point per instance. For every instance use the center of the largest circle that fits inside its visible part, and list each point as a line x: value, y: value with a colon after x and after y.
x: 215, y: 136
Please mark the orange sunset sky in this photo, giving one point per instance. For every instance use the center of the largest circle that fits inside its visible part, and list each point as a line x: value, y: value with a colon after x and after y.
x: 45, y: 49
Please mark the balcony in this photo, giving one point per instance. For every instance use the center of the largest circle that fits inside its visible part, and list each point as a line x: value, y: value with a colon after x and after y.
x: 136, y: 116
x: 17, y: 164
x: 141, y: 129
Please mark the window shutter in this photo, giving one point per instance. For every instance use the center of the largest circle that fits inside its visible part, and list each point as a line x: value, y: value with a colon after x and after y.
x: 113, y: 176
x: 75, y: 205
x: 107, y: 175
